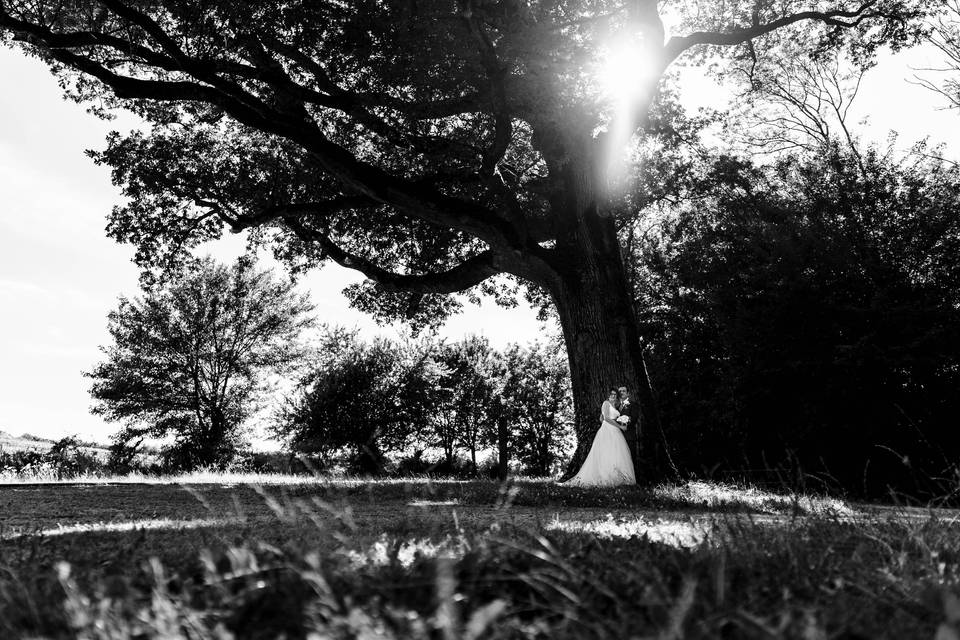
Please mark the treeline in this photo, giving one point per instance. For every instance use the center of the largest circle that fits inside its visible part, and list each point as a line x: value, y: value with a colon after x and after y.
x: 801, y: 323
x: 196, y: 357
x: 803, y: 320
x: 415, y: 406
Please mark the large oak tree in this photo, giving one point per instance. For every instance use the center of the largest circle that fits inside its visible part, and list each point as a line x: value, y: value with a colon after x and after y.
x: 429, y: 144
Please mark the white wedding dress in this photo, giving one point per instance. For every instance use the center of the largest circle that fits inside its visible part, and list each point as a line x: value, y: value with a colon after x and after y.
x: 609, y: 462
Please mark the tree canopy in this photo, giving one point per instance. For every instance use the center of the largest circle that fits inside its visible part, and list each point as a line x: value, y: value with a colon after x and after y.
x: 420, y: 142
x: 365, y: 398
x: 190, y: 359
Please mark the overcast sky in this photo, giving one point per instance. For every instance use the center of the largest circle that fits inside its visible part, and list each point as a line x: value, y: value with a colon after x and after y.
x: 60, y: 275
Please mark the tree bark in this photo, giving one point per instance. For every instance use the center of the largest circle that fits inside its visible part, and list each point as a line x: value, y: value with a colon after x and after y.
x: 602, y: 337
x: 210, y: 446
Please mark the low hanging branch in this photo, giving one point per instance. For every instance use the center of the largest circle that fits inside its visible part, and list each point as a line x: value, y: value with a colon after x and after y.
x: 468, y: 273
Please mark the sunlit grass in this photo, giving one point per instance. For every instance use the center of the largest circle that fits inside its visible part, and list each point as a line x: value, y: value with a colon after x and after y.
x: 419, y: 558
x: 712, y: 495
x: 683, y: 534
x: 194, y: 477
x: 433, y: 503
x: 124, y: 526
x: 386, y: 551
x: 218, y: 477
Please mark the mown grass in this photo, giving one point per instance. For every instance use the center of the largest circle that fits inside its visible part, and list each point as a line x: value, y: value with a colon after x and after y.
x: 524, y: 491
x: 427, y: 559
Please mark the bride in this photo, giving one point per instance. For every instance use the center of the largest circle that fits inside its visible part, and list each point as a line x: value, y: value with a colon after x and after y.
x: 609, y: 461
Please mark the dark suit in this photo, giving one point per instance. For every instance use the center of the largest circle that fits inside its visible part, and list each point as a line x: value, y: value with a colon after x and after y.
x: 632, y: 434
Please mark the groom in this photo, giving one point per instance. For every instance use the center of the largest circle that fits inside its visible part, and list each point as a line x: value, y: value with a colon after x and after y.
x: 632, y: 434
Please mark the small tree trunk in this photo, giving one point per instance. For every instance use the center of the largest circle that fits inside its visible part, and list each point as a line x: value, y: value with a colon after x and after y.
x: 370, y: 460
x: 503, y: 451
x: 208, y: 446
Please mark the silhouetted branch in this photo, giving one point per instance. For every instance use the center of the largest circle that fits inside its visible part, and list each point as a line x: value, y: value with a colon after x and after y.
x: 467, y: 274
x: 677, y: 45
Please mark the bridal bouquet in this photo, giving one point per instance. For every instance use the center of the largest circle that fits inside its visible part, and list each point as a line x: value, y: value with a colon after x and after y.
x: 623, y: 419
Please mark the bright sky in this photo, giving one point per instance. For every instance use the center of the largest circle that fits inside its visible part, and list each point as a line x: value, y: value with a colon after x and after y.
x: 60, y: 275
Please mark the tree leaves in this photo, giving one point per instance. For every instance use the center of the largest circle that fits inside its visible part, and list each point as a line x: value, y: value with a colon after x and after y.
x: 189, y: 358
x: 809, y: 309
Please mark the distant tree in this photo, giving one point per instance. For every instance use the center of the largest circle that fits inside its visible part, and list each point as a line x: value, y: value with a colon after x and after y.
x: 368, y: 398
x: 470, y: 381
x: 534, y: 398
x: 190, y: 359
x: 443, y: 431
x: 430, y: 145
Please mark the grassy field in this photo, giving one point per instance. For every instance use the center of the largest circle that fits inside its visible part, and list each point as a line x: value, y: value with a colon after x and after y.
x: 213, y: 556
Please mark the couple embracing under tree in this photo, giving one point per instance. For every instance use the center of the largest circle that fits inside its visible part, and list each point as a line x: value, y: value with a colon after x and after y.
x: 609, y: 461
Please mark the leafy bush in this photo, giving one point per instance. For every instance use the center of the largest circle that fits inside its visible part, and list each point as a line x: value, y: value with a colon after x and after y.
x: 65, y: 459
x: 69, y: 460
x: 22, y: 461
x: 278, y: 462
x: 413, y: 464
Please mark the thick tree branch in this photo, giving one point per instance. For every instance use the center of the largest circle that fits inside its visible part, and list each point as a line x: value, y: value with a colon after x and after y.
x: 469, y: 273
x: 350, y: 101
x: 298, y: 210
x: 152, y: 29
x: 265, y: 69
x: 239, y: 221
x: 838, y: 18
x: 677, y: 45
x: 495, y: 70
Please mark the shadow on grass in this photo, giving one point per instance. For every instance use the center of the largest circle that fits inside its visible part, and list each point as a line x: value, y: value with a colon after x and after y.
x: 533, y: 492
x: 812, y: 578
x: 469, y: 560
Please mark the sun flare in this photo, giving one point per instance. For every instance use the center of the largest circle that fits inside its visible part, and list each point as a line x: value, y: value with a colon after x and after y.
x: 623, y: 69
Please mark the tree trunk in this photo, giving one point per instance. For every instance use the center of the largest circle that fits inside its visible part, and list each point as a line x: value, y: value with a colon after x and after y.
x: 211, y: 447
x: 544, y: 452
x: 502, y: 449
x: 594, y: 302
